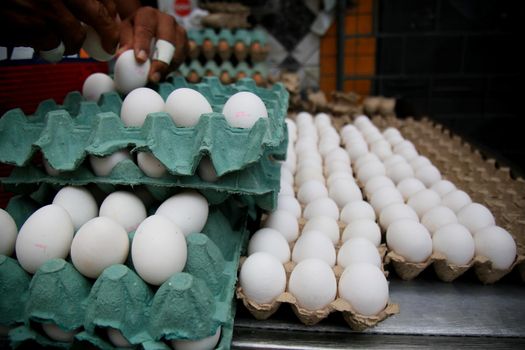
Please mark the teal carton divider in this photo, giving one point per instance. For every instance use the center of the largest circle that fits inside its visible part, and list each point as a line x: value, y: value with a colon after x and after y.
x: 14, y: 285
x: 67, y: 134
x: 146, y: 315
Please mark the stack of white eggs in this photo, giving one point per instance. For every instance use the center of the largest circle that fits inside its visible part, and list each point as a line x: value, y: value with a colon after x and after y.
x: 96, y: 238
x: 421, y: 212
x: 316, y: 176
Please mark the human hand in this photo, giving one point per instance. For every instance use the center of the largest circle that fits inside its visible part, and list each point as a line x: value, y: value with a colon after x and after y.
x: 145, y: 25
x: 45, y: 24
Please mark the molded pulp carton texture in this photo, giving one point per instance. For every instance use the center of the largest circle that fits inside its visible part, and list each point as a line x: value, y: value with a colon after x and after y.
x: 190, y: 305
x: 65, y: 135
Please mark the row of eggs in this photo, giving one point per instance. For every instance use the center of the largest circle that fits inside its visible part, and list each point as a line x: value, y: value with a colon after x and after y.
x: 184, y: 105
x: 96, y: 238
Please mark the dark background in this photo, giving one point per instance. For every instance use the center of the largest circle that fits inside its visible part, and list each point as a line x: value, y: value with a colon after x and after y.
x: 458, y: 62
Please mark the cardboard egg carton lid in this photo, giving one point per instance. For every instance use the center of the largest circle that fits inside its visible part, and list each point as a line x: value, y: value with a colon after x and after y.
x: 67, y: 133
x: 485, y: 181
x: 190, y: 305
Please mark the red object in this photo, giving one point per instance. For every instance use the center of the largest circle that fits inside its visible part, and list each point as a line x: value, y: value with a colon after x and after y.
x: 25, y: 86
x: 182, y: 7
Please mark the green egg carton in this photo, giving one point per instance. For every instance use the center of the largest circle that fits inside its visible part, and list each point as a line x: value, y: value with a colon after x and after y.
x: 195, y: 35
x: 67, y: 133
x: 260, y: 68
x: 226, y: 35
x: 209, y: 34
x: 259, y: 36
x: 196, y: 66
x: 211, y: 68
x: 243, y: 36
x: 191, y: 305
x: 228, y: 68
x: 244, y: 68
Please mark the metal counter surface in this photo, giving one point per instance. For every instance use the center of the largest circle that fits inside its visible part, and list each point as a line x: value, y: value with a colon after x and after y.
x: 433, y: 314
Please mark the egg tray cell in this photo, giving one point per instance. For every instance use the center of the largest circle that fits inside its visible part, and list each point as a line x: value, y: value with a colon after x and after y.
x: 485, y: 182
x: 310, y: 317
x: 257, y: 184
x: 190, y: 305
x: 66, y: 134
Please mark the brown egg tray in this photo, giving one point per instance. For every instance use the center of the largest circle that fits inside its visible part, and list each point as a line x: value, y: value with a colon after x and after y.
x: 481, y: 176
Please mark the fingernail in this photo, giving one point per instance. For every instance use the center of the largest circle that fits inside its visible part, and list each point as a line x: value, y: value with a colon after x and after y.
x: 155, y: 77
x: 142, y: 55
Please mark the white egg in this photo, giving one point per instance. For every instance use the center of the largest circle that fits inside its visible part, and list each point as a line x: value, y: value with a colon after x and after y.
x: 391, y: 131
x: 394, y: 139
x: 349, y: 129
x: 292, y: 129
x: 363, y: 228
x: 419, y: 162
x: 290, y: 163
x: 304, y: 118
x: 56, y: 333
x: 339, y: 175
x: 286, y: 188
x: 376, y: 183
x: 284, y: 222
x: 369, y: 170
x: 188, y: 210
x: 337, y: 154
x: 314, y: 244
x: 362, y: 121
x: 289, y: 203
x: 150, y: 165
x: 394, y: 212
x: 270, y: 241
x: 46, y: 235
x: 428, y: 175
x: 443, y: 187
x: 358, y: 210
x: 93, y: 45
x: 8, y: 233
x: 455, y: 242
x: 79, y: 204
x: 158, y: 250
x: 98, y: 244
x: 456, y: 200
x: 381, y: 148
x: 208, y: 343
x: 129, y: 73
x: 423, y: 201
x: 311, y: 190
x: 102, y: 166
x: 357, y: 149
x: 496, y: 244
x: 408, y: 153
x: 475, y: 216
x: 207, y: 171
x: 97, y: 84
x: 344, y: 191
x: 337, y: 166
x: 117, y: 338
x: 262, y: 278
x: 326, y: 146
x: 185, y: 106
x: 125, y: 208
x: 243, y: 109
x: 399, y: 171
x: 322, y: 119
x: 324, y: 224
x: 138, y: 104
x: 308, y: 174
x: 305, y: 163
x: 409, y: 239
x: 410, y: 186
x: 321, y: 207
x: 438, y: 217
x: 287, y: 176
x: 365, y: 159
x: 365, y: 287
x: 404, y: 145
x: 384, y: 197
x: 358, y: 250
x: 313, y: 284
x: 393, y: 159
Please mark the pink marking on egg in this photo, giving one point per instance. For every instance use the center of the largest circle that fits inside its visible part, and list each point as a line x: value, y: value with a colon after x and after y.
x: 242, y: 114
x: 40, y: 245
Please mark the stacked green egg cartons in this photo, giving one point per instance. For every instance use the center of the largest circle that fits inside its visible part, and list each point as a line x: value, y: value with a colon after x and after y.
x: 228, y: 54
x: 246, y: 161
